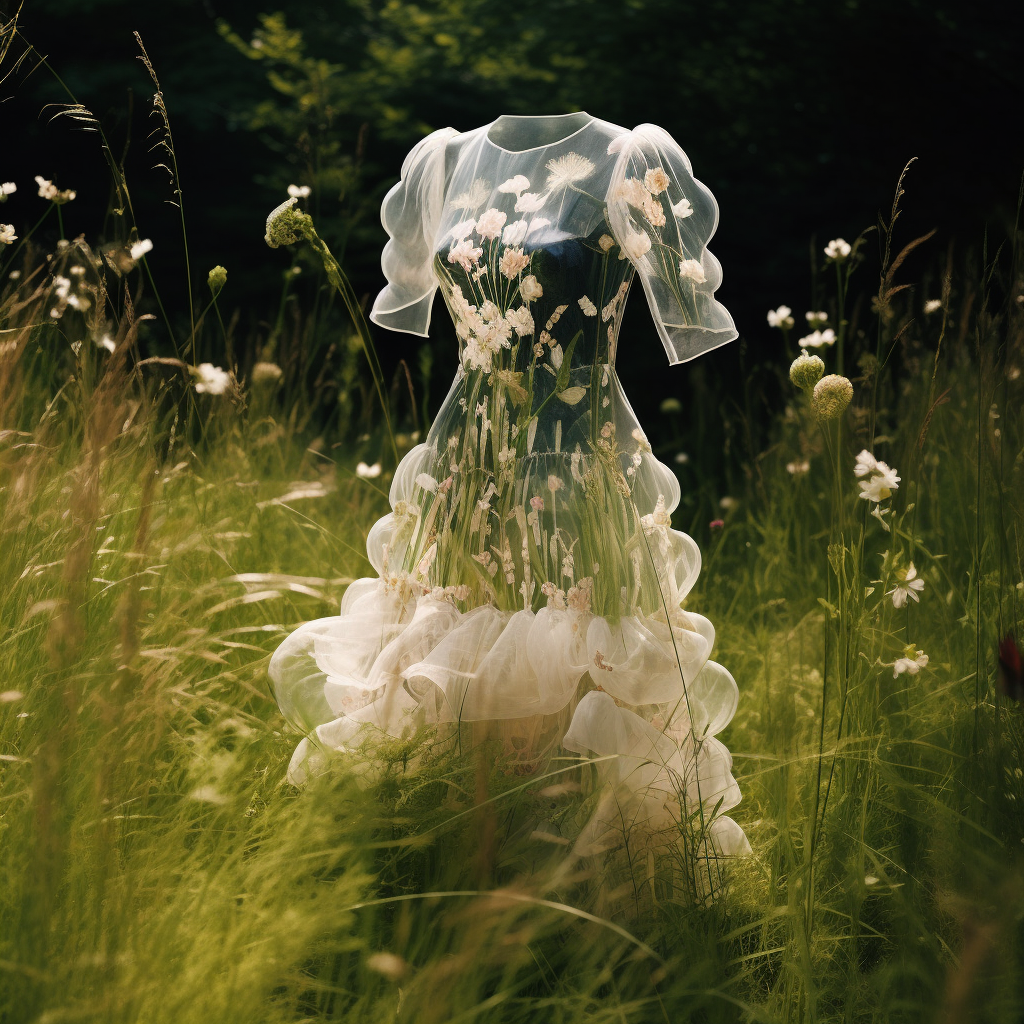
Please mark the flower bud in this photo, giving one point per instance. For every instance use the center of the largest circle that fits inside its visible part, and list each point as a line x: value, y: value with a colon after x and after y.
x: 806, y: 370
x: 285, y: 225
x: 832, y: 394
x: 217, y: 278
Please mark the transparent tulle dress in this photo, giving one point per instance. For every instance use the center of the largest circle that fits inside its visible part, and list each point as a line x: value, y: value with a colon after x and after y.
x: 528, y: 574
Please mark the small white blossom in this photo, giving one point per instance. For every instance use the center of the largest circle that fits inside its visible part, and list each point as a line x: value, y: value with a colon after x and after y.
x: 932, y: 305
x: 7, y: 235
x: 781, y: 317
x: 818, y: 339
x: 866, y: 463
x: 908, y: 584
x: 798, y: 468
x: 427, y: 482
x: 692, y: 270
x: 912, y: 662
x: 140, y: 248
x: 299, y: 191
x: 838, y: 249
x: 816, y: 319
x: 368, y: 472
x: 210, y: 379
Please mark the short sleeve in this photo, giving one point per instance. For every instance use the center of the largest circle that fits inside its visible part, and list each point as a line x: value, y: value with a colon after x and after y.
x: 662, y: 218
x: 410, y: 214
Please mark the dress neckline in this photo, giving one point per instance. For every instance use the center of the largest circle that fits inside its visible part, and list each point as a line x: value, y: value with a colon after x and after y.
x: 537, y: 117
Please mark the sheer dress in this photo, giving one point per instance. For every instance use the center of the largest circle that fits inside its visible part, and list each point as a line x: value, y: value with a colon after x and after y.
x: 528, y: 573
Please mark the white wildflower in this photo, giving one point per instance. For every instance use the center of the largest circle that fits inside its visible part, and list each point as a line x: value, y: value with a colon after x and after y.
x: 781, y: 317
x: 491, y: 222
x: 588, y: 307
x: 47, y: 189
x: 389, y: 965
x: 908, y: 584
x: 107, y: 342
x: 818, y: 339
x: 299, y: 191
x: 932, y: 305
x: 870, y: 880
x: 368, y: 472
x: 692, y: 270
x: 7, y: 235
x: 11, y: 696
x: 565, y: 170
x: 816, y: 319
x: 530, y: 288
x: 140, y: 248
x: 682, y: 209
x: 798, y: 468
x: 682, y: 458
x: 210, y: 379
x: 865, y: 463
x: 838, y: 249
x: 517, y: 185
x: 912, y: 662
x: 877, y: 481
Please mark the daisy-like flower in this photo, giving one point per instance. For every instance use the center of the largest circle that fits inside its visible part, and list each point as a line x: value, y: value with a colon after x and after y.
x: 865, y: 463
x: 465, y: 254
x: 515, y: 232
x: 530, y: 288
x: 818, y: 339
x: 606, y: 242
x: 368, y: 472
x: 816, y: 319
x: 7, y: 188
x: 299, y: 191
x: 564, y: 170
x: 838, y: 249
x: 656, y: 180
x: 140, y: 248
x: 210, y: 379
x: 473, y: 197
x: 692, y: 270
x: 491, y: 222
x: 520, y: 320
x: 462, y: 230
x: 517, y: 185
x: 513, y: 262
x: 912, y: 662
x: 908, y: 584
x: 932, y: 305
x: 588, y: 307
x: 635, y: 245
x: 7, y: 235
x: 682, y: 209
x: 530, y: 202
x: 781, y: 318
x: 880, y: 485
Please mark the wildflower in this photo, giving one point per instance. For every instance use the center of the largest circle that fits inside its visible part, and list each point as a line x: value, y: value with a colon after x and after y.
x: 7, y: 188
x: 912, y: 662
x: 7, y: 235
x: 15, y: 274
x: 866, y: 463
x: 530, y: 202
x: 880, y: 513
x: 908, y: 585
x: 635, y: 244
x: 565, y: 170
x: 266, y: 373
x: 366, y: 472
x: 831, y: 395
x: 780, y: 318
x: 838, y: 249
x: 388, y: 964
x: 692, y: 270
x: 877, y: 480
x: 285, y: 224
x: 140, y: 248
x: 515, y: 232
x: 211, y: 380
x: 491, y: 222
x: 682, y: 209
x: 513, y: 262
x: 299, y: 191
x: 932, y: 305
x: 606, y: 242
x: 216, y: 279
x: 816, y: 319
x: 682, y: 458
x: 716, y: 524
x: 588, y: 307
x: 530, y: 288
x: 517, y: 185
x: 806, y: 370
x: 728, y: 503
x: 817, y: 339
x: 870, y: 880
x: 671, y: 405
x: 798, y: 468
x: 107, y: 342
x: 47, y: 190
x: 465, y: 254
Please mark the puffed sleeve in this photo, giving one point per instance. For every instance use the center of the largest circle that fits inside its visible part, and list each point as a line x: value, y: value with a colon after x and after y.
x: 662, y: 218
x: 410, y: 214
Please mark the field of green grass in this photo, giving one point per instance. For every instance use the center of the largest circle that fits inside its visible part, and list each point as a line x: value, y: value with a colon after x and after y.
x: 163, y: 528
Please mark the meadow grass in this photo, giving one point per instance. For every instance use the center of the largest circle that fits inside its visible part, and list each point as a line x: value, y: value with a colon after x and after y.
x: 157, y: 544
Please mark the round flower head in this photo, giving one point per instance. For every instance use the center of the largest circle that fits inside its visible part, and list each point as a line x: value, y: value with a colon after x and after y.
x: 217, y: 278
x: 806, y: 371
x: 285, y: 225
x: 831, y: 396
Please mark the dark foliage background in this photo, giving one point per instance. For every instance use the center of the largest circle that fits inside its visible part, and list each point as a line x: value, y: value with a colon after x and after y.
x: 798, y: 115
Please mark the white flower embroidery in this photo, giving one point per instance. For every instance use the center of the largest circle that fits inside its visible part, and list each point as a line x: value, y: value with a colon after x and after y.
x: 606, y: 242
x: 907, y: 585
x: 490, y: 223
x: 530, y: 202
x: 530, y: 288
x: 692, y: 270
x: 515, y: 232
x: 589, y: 309
x: 633, y: 191
x: 465, y: 254
x: 656, y: 180
x: 513, y: 262
x: 654, y: 212
x: 462, y: 230
x: 818, y: 339
x: 520, y: 320
x: 473, y: 197
x: 489, y: 310
x: 682, y: 209
x: 517, y: 185
x: 564, y: 170
x: 635, y: 244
